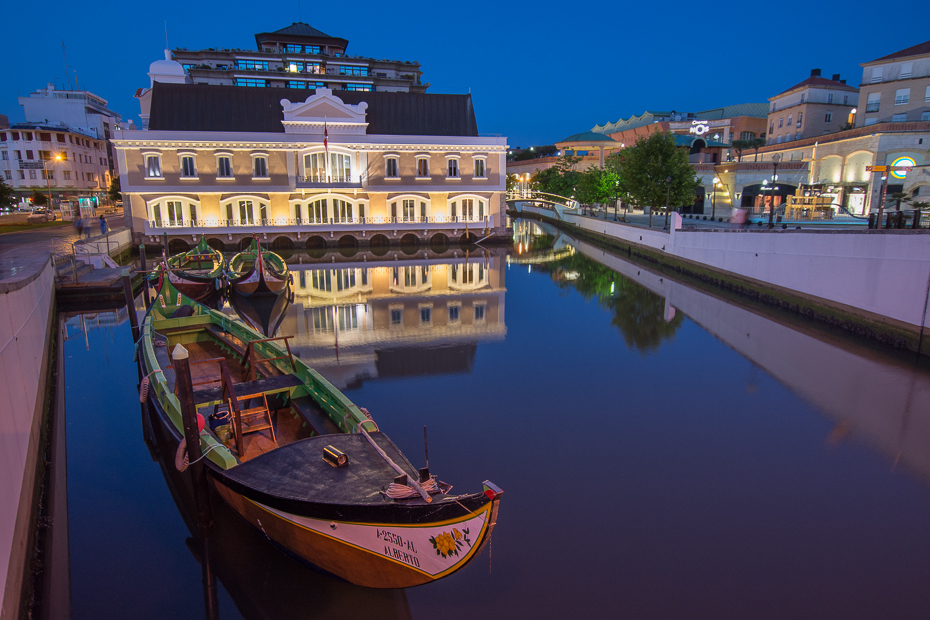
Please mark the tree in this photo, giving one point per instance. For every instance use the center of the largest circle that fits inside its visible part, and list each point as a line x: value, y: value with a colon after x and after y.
x: 561, y: 179
x: 756, y: 144
x: 114, y: 191
x: 39, y: 199
x: 645, y: 167
x: 739, y: 146
x: 7, y: 198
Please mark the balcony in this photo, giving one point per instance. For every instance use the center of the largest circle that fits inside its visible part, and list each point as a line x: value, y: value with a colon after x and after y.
x: 323, y: 181
x: 290, y: 225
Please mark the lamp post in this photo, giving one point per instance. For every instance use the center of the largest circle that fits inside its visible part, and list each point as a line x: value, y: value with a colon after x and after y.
x: 617, y: 201
x: 713, y: 200
x: 775, y: 159
x: 668, y: 191
x: 48, y: 184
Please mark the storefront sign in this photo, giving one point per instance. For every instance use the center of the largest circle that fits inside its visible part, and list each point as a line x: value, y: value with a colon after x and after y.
x: 901, y: 165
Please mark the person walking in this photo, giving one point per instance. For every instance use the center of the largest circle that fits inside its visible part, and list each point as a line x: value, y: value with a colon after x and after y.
x: 103, y: 225
x: 79, y: 225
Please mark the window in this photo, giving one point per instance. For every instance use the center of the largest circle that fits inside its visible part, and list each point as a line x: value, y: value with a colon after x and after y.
x: 426, y: 316
x: 828, y: 117
x: 246, y: 212
x: 317, y: 211
x: 780, y: 138
x: 781, y: 122
x: 340, y: 167
x: 772, y: 128
x: 32, y: 174
x: 5, y: 155
x: 224, y: 167
x: 899, y: 118
x: 927, y: 95
x: 312, y: 49
x: 829, y: 97
x: 67, y: 174
x: 188, y: 167
x: 342, y: 211
x: 925, y: 116
x: 902, y: 96
x: 455, y: 314
x: 360, y: 71
x: 294, y: 66
x: 260, y: 167
x: 293, y: 49
x: 906, y: 70
x: 397, y: 317
x: 91, y: 177
x: 873, y: 102
x: 410, y: 210
x: 789, y: 120
x: 800, y: 118
x: 153, y: 166
x: 60, y: 137
x: 845, y: 99
x: 480, y: 312
x: 797, y: 136
x: 452, y: 168
x: 251, y: 82
x: 175, y: 216
x: 29, y: 155
x: 22, y: 175
x: 876, y: 74
x: 802, y: 97
x: 188, y: 67
x: 358, y: 87
x: 9, y: 175
x: 252, y: 65
x: 422, y: 167
x: 390, y: 168
x: 871, y: 121
x: 479, y: 169
x: 747, y: 135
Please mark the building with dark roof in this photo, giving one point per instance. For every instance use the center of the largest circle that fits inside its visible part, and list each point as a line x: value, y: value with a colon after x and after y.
x: 896, y: 88
x: 307, y: 168
x: 813, y: 107
x: 299, y: 56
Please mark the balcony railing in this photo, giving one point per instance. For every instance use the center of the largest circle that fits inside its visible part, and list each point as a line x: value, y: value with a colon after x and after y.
x: 328, y: 180
x: 431, y: 220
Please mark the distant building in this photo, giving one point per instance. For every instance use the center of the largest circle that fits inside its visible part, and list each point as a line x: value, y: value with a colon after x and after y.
x: 896, y: 88
x: 811, y: 108
x: 80, y: 110
x: 299, y: 57
x: 308, y: 168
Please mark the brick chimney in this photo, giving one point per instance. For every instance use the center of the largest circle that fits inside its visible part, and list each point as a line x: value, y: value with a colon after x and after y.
x: 815, y: 72
x: 836, y: 77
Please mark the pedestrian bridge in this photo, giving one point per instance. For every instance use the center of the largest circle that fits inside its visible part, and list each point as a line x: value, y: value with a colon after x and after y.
x: 559, y: 204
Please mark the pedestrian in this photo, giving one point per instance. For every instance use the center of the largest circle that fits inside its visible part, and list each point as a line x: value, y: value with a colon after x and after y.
x: 79, y: 225
x: 103, y: 225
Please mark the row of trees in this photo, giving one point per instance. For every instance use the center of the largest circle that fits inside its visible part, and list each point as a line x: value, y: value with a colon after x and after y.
x: 647, y: 174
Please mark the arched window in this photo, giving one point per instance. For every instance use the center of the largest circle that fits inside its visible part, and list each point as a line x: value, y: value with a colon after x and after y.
x: 410, y: 208
x: 245, y: 211
x: 173, y: 211
x: 338, y: 169
x: 468, y: 208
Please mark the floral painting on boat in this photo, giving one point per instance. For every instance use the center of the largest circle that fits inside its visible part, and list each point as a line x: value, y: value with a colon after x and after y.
x: 448, y: 544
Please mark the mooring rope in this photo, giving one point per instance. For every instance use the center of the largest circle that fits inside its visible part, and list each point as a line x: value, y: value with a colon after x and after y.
x: 402, y: 491
x: 181, y: 459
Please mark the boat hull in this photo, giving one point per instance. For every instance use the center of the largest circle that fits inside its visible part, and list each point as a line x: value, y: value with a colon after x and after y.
x: 195, y: 288
x: 374, y: 555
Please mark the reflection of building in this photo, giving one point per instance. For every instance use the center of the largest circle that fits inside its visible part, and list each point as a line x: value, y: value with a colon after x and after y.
x: 299, y: 56
x: 395, y: 318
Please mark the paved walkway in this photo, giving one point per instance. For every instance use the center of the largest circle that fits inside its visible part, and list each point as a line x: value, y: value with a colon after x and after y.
x: 658, y: 221
x: 19, y: 250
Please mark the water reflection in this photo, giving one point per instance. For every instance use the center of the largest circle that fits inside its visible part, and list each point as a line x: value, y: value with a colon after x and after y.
x: 375, y: 317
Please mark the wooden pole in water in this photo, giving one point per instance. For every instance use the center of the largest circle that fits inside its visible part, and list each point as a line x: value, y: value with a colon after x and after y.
x: 130, y: 305
x: 145, y: 285
x: 182, y: 372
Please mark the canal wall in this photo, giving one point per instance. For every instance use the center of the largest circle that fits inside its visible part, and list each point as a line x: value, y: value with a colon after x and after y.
x: 871, y: 398
x: 873, y: 282
x: 26, y: 333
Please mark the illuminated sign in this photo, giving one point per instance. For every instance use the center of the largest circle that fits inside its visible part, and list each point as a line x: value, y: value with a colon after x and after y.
x: 901, y: 165
x: 699, y: 127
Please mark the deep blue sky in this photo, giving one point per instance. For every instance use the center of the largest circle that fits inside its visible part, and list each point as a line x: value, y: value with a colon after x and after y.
x: 538, y: 71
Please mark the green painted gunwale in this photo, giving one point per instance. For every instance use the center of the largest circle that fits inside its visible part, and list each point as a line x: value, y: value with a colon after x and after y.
x: 176, y: 262
x: 241, y: 263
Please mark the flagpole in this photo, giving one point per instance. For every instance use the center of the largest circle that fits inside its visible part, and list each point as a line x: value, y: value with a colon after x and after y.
x: 326, y: 148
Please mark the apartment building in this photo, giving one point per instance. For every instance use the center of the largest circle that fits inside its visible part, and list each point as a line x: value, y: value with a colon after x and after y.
x: 811, y: 108
x: 299, y: 57
x: 70, y: 163
x: 308, y: 168
x: 896, y: 88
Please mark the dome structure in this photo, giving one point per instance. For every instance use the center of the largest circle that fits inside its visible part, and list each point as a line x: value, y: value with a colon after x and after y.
x: 167, y: 70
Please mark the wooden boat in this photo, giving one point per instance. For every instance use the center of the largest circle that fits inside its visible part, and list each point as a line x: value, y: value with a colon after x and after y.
x: 198, y: 273
x: 263, y: 313
x: 362, y: 521
x: 257, y: 271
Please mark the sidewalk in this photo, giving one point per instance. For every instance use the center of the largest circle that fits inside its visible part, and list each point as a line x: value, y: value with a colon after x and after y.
x: 20, y: 250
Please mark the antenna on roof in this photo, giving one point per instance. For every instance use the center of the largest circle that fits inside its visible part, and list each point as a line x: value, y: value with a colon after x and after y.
x: 65, y: 56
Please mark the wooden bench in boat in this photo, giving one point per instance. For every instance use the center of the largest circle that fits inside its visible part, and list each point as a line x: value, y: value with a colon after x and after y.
x: 314, y: 416
x: 270, y: 385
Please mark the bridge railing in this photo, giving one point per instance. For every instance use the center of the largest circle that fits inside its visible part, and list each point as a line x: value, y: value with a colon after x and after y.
x: 543, y: 197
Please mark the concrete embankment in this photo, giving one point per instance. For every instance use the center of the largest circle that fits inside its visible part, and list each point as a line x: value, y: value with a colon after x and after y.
x: 874, y: 283
x: 27, y: 310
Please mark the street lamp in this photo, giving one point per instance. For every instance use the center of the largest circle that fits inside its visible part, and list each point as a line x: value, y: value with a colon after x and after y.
x: 713, y: 200
x: 48, y: 184
x: 775, y: 159
x: 668, y: 191
x: 617, y: 201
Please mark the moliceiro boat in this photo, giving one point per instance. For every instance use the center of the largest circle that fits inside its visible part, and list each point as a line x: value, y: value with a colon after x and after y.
x: 197, y: 273
x: 299, y: 461
x: 257, y: 271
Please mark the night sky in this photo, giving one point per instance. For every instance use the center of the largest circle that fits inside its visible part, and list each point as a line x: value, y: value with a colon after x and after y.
x: 538, y: 72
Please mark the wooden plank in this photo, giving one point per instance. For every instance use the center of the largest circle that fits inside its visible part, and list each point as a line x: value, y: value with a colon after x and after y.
x: 271, y: 385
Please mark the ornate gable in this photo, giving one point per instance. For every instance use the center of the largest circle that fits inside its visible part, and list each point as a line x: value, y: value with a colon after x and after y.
x: 323, y: 108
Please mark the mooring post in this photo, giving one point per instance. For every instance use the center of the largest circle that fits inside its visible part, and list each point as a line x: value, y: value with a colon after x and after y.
x: 145, y: 276
x: 211, y: 600
x: 182, y: 371
x: 130, y: 305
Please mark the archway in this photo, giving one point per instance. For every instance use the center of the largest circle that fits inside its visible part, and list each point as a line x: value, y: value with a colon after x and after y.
x: 409, y: 244
x: 316, y: 243
x: 439, y: 243
x: 244, y: 243
x: 282, y: 243
x: 216, y: 244
x: 379, y: 245
x: 176, y: 246
x: 468, y: 239
x: 348, y: 245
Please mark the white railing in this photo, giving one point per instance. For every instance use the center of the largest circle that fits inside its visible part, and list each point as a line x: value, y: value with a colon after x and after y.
x: 444, y: 220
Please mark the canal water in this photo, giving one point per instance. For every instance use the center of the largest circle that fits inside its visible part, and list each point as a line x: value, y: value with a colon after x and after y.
x: 663, y: 452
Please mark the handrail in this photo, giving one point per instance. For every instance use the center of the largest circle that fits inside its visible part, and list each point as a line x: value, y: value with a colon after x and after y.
x: 253, y: 360
x: 228, y: 393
